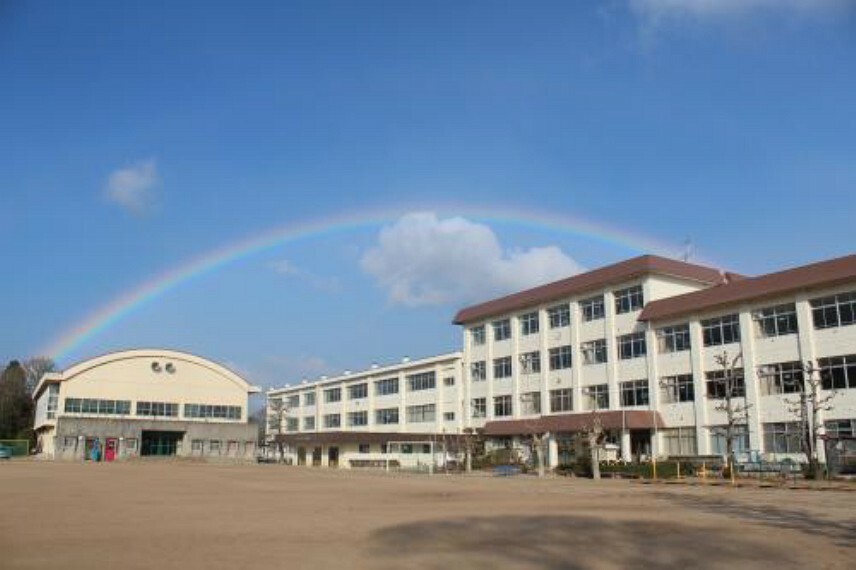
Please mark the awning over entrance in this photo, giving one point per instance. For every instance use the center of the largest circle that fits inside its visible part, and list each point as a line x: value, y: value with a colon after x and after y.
x: 611, y: 419
x: 339, y: 437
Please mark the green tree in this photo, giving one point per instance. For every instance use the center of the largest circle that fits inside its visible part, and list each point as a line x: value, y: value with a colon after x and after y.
x: 16, y: 405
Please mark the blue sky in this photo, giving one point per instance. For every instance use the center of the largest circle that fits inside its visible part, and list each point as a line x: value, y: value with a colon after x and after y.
x: 136, y: 136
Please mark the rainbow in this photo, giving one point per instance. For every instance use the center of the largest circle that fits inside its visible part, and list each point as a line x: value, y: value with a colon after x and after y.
x: 211, y: 261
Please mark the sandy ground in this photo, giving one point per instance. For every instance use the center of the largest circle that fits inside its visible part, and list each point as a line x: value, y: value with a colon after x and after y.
x: 187, y: 515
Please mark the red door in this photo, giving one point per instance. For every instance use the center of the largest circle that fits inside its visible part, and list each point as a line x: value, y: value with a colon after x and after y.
x: 110, y: 449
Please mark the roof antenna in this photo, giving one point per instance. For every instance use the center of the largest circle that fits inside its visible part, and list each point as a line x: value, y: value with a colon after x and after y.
x: 689, y: 249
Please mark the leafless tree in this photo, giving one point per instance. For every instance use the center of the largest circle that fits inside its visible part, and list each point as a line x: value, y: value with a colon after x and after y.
x: 595, y: 436
x: 538, y: 438
x: 732, y: 401
x: 36, y: 367
x: 807, y: 408
x: 277, y: 412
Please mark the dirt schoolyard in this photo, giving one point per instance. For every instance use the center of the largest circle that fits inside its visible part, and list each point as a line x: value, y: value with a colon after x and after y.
x: 174, y: 514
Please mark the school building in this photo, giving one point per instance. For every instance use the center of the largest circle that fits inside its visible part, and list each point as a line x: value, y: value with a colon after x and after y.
x: 144, y: 403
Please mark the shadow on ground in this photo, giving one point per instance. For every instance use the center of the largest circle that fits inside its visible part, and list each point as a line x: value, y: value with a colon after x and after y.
x: 569, y: 542
x: 793, y: 518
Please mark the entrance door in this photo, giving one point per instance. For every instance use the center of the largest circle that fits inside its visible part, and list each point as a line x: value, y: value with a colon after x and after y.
x: 92, y: 449
x: 316, y: 457
x: 110, y: 448
x: 640, y: 443
x: 301, y: 456
x: 333, y: 457
x: 160, y: 443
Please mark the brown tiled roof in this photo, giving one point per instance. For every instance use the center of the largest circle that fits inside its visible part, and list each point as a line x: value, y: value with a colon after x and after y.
x: 612, y: 419
x: 598, y: 278
x: 822, y: 274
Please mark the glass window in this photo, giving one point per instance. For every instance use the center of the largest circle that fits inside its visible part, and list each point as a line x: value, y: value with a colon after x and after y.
x: 782, y: 437
x: 477, y: 335
x: 631, y: 345
x: 421, y: 414
x: 292, y: 424
x: 502, y: 367
x: 561, y: 400
x: 627, y: 300
x: 309, y: 399
x: 421, y: 381
x: 837, y: 429
x: 673, y: 339
x: 679, y: 441
x: 501, y: 330
x: 721, y: 330
x: 365, y: 448
x: 834, y: 310
x: 679, y: 388
x: 560, y: 357
x: 309, y: 423
x: 502, y: 406
x: 212, y: 411
x: 594, y: 352
x: 530, y: 362
x: 478, y: 371
x: 781, y: 378
x: 719, y: 386
x: 449, y: 381
x: 449, y: 416
x: 157, y: 409
x: 386, y: 387
x: 529, y: 323
x: 718, y: 439
x: 775, y: 321
x: 332, y: 421
x: 597, y: 396
x: 292, y: 401
x: 530, y: 403
x: 356, y: 419
x: 386, y: 416
x: 559, y: 316
x: 838, y: 372
x: 479, y: 406
x: 634, y: 393
x: 592, y: 309
x: 358, y: 391
x: 332, y: 395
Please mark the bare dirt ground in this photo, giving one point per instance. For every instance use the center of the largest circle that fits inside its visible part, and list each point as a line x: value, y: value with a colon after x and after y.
x: 168, y: 515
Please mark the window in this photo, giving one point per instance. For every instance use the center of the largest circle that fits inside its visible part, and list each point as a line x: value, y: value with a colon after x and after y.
x: 292, y: 424
x: 631, y: 345
x: 332, y: 395
x: 598, y: 396
x: 530, y: 362
x: 332, y: 421
x: 449, y: 381
x: 592, y: 309
x: 365, y: 448
x: 594, y: 352
x: 214, y: 447
x: 679, y: 388
x: 530, y: 403
x: 479, y: 406
x: 212, y: 411
x: 157, y: 409
x: 673, y: 339
x: 130, y: 444
x: 560, y: 357
x: 356, y: 419
x: 529, y: 323
x: 627, y: 300
x: 196, y: 445
x: 719, y: 388
x: 309, y: 423
x: 834, y: 311
x: 783, y: 437
x: 309, y: 399
x: 561, y: 400
x: 721, y: 330
x: 449, y: 416
x: 838, y: 372
x: 421, y: 381
x: 679, y: 441
x: 421, y: 414
x: 292, y: 401
x: 634, y: 393
x: 775, y: 321
x: 781, y: 378
x: 478, y: 371
x: 477, y: 335
x: 99, y: 407
x: 836, y: 429
x: 53, y: 401
x: 386, y: 416
x: 501, y: 330
x: 386, y: 387
x: 559, y: 316
x: 718, y: 439
x: 358, y: 391
x: 502, y: 367
x: 501, y: 406
x: 69, y: 441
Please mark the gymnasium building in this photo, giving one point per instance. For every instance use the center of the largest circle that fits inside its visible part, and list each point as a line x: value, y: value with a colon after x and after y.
x: 144, y: 403
x: 635, y: 343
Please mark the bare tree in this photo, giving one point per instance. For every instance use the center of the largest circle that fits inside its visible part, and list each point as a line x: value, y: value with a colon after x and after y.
x: 538, y: 438
x: 807, y: 408
x: 277, y: 412
x: 36, y: 367
x: 594, y: 434
x: 732, y: 401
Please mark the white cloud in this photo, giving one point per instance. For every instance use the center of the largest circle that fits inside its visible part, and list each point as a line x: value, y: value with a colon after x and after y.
x: 423, y: 260
x: 287, y: 268
x: 659, y: 10
x: 132, y: 188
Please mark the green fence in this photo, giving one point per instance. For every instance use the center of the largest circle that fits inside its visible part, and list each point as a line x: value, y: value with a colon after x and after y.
x: 20, y: 447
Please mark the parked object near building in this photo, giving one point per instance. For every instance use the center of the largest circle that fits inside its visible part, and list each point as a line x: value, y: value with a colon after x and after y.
x: 149, y: 402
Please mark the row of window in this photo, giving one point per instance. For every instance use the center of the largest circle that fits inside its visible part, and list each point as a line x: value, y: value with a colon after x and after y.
x: 384, y: 387
x: 779, y: 320
x: 150, y: 409
x: 424, y: 413
x: 558, y: 316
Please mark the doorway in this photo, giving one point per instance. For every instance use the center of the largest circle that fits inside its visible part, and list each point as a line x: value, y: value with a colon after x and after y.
x: 110, y: 448
x: 333, y: 457
x: 301, y: 456
x: 160, y: 443
x: 316, y: 457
